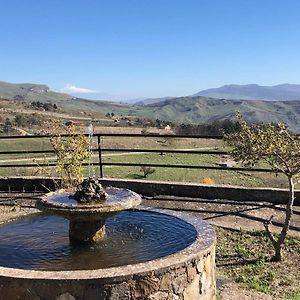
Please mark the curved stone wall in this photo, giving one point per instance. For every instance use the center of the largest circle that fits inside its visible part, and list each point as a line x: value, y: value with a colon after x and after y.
x: 186, y: 275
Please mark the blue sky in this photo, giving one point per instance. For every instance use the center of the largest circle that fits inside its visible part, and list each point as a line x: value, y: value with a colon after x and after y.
x: 149, y: 48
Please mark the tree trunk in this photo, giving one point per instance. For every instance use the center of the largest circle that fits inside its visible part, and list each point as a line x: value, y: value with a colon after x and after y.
x: 278, y: 253
x: 288, y: 215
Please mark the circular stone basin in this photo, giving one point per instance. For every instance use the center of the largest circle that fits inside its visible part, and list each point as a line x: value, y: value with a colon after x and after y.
x: 171, y: 255
x: 131, y: 237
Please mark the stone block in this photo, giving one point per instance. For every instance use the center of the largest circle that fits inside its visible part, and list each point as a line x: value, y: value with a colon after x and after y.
x: 179, y: 283
x: 192, y: 292
x: 65, y: 296
x: 120, y: 292
x: 159, y: 296
x: 166, y: 282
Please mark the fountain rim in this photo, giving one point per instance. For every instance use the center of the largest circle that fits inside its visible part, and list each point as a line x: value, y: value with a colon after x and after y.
x: 205, y: 240
x: 131, y: 200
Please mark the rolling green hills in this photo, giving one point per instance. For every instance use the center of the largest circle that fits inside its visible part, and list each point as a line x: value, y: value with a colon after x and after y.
x: 196, y: 110
x: 202, y: 110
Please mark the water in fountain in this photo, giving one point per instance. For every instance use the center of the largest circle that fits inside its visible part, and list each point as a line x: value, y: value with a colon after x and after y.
x: 98, y: 236
x: 41, y: 242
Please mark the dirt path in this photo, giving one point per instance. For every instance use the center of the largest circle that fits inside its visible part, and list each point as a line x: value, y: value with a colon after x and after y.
x: 94, y: 155
x: 48, y: 114
x: 230, y: 214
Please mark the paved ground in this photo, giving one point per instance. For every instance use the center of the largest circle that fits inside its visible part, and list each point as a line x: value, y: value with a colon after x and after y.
x: 230, y: 214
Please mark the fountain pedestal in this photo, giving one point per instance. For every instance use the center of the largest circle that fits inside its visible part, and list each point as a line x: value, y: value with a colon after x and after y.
x: 87, y: 221
x: 86, y: 231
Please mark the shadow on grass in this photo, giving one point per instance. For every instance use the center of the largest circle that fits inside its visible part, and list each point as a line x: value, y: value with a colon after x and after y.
x: 135, y: 176
x: 240, y: 262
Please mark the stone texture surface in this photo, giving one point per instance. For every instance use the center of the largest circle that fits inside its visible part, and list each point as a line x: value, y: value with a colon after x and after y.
x: 84, y: 231
x: 192, y: 280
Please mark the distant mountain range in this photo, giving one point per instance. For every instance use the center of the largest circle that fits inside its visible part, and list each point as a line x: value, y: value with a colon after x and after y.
x: 190, y: 109
x: 281, y: 92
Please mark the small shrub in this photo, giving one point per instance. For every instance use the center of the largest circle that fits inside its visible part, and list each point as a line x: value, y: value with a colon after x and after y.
x: 147, y: 170
x: 70, y: 151
x: 243, y: 252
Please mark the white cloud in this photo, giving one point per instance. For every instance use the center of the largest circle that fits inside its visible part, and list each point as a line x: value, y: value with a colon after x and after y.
x: 70, y: 88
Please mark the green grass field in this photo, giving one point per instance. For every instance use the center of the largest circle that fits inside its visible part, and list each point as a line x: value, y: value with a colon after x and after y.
x: 221, y: 177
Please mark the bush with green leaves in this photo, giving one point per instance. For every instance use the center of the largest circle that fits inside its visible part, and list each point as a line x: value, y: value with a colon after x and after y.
x: 71, y: 150
x: 280, y: 148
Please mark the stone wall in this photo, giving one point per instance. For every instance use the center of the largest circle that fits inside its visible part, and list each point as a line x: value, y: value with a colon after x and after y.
x: 194, y: 190
x: 193, y: 280
x: 153, y: 188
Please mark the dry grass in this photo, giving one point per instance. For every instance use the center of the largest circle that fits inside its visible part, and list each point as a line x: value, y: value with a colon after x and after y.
x: 245, y: 256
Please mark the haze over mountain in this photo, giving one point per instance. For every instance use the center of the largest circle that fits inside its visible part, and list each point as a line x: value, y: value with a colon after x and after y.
x: 281, y: 92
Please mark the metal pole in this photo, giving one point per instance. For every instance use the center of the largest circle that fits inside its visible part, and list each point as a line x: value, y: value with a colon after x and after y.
x: 100, y: 156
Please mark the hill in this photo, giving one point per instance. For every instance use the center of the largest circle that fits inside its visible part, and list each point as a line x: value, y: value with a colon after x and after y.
x: 281, y: 92
x: 202, y: 110
x: 195, y: 110
x: 29, y: 91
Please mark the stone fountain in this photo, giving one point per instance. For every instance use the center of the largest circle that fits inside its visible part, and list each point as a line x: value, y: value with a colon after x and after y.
x: 88, y: 208
x: 97, y: 244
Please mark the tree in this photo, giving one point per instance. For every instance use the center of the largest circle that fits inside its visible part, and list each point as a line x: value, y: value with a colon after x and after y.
x: 280, y: 148
x: 20, y: 120
x: 7, y: 125
x: 71, y: 151
x: 147, y: 170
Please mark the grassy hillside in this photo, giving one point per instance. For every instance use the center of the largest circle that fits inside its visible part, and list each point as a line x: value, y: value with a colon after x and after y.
x: 202, y: 110
x: 29, y: 91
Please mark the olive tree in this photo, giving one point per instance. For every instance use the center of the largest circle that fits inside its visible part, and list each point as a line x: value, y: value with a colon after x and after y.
x: 280, y: 148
